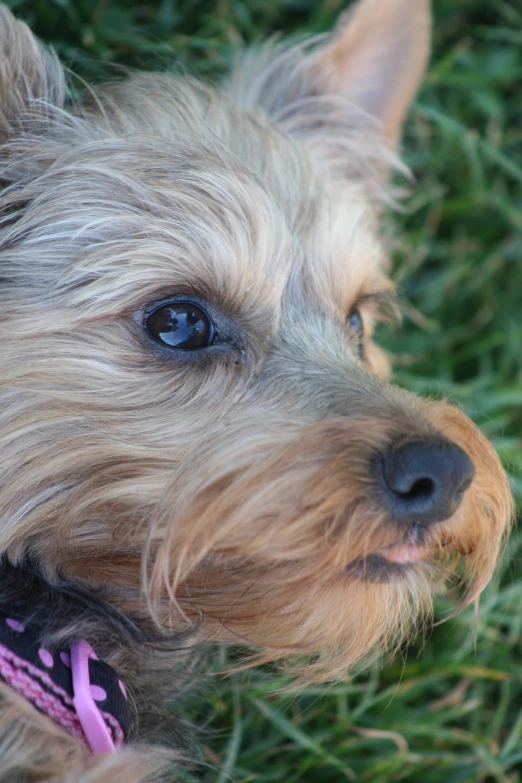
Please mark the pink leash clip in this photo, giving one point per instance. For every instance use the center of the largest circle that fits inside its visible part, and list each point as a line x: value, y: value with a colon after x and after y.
x: 95, y: 729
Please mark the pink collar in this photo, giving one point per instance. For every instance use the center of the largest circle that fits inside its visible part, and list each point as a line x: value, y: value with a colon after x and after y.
x: 94, y: 722
x: 76, y: 690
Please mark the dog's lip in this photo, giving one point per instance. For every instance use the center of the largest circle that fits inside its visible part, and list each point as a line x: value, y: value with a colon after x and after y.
x: 404, y: 554
x: 395, y: 560
x: 411, y: 549
x: 400, y: 555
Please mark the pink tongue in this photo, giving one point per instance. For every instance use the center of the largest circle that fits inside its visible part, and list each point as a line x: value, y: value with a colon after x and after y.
x: 406, y: 553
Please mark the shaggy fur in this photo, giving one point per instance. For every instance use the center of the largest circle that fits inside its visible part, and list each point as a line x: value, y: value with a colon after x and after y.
x: 225, y: 494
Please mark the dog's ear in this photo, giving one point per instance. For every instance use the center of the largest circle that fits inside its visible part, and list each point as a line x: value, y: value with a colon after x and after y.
x: 377, y: 57
x: 32, y: 80
x: 325, y: 93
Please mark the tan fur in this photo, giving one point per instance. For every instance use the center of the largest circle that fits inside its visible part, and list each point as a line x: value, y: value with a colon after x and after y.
x: 234, y: 490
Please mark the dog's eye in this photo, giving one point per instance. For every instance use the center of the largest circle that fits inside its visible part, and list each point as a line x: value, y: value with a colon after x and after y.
x: 356, y: 324
x: 181, y: 325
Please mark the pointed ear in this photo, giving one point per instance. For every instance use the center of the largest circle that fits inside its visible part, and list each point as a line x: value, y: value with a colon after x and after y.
x: 31, y: 79
x: 377, y: 57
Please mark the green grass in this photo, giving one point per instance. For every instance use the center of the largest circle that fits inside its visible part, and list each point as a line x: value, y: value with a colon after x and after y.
x: 450, y: 709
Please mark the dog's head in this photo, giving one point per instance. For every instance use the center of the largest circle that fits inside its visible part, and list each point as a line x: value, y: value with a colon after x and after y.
x: 192, y: 407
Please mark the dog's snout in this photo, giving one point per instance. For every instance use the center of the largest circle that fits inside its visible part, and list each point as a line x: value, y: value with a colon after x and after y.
x: 424, y: 480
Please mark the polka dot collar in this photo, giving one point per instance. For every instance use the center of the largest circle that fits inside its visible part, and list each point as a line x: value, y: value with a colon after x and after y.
x: 72, y: 687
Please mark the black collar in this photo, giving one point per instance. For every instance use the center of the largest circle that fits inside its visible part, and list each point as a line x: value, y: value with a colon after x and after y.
x: 41, y: 624
x: 43, y: 675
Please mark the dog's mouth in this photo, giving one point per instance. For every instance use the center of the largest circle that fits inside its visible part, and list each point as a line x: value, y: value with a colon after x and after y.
x: 405, y: 554
x: 396, y: 560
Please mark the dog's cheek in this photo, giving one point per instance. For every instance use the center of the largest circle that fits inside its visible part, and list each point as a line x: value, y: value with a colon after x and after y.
x: 378, y: 360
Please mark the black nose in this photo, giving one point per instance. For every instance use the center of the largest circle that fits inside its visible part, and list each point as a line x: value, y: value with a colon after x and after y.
x: 424, y: 480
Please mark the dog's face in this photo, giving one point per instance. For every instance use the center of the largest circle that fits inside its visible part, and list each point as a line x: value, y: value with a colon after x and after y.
x: 192, y: 407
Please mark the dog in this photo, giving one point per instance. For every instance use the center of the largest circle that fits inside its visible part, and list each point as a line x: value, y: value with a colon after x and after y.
x: 199, y: 440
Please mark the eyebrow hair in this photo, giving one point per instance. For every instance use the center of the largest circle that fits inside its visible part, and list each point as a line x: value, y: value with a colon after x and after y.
x: 384, y: 302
